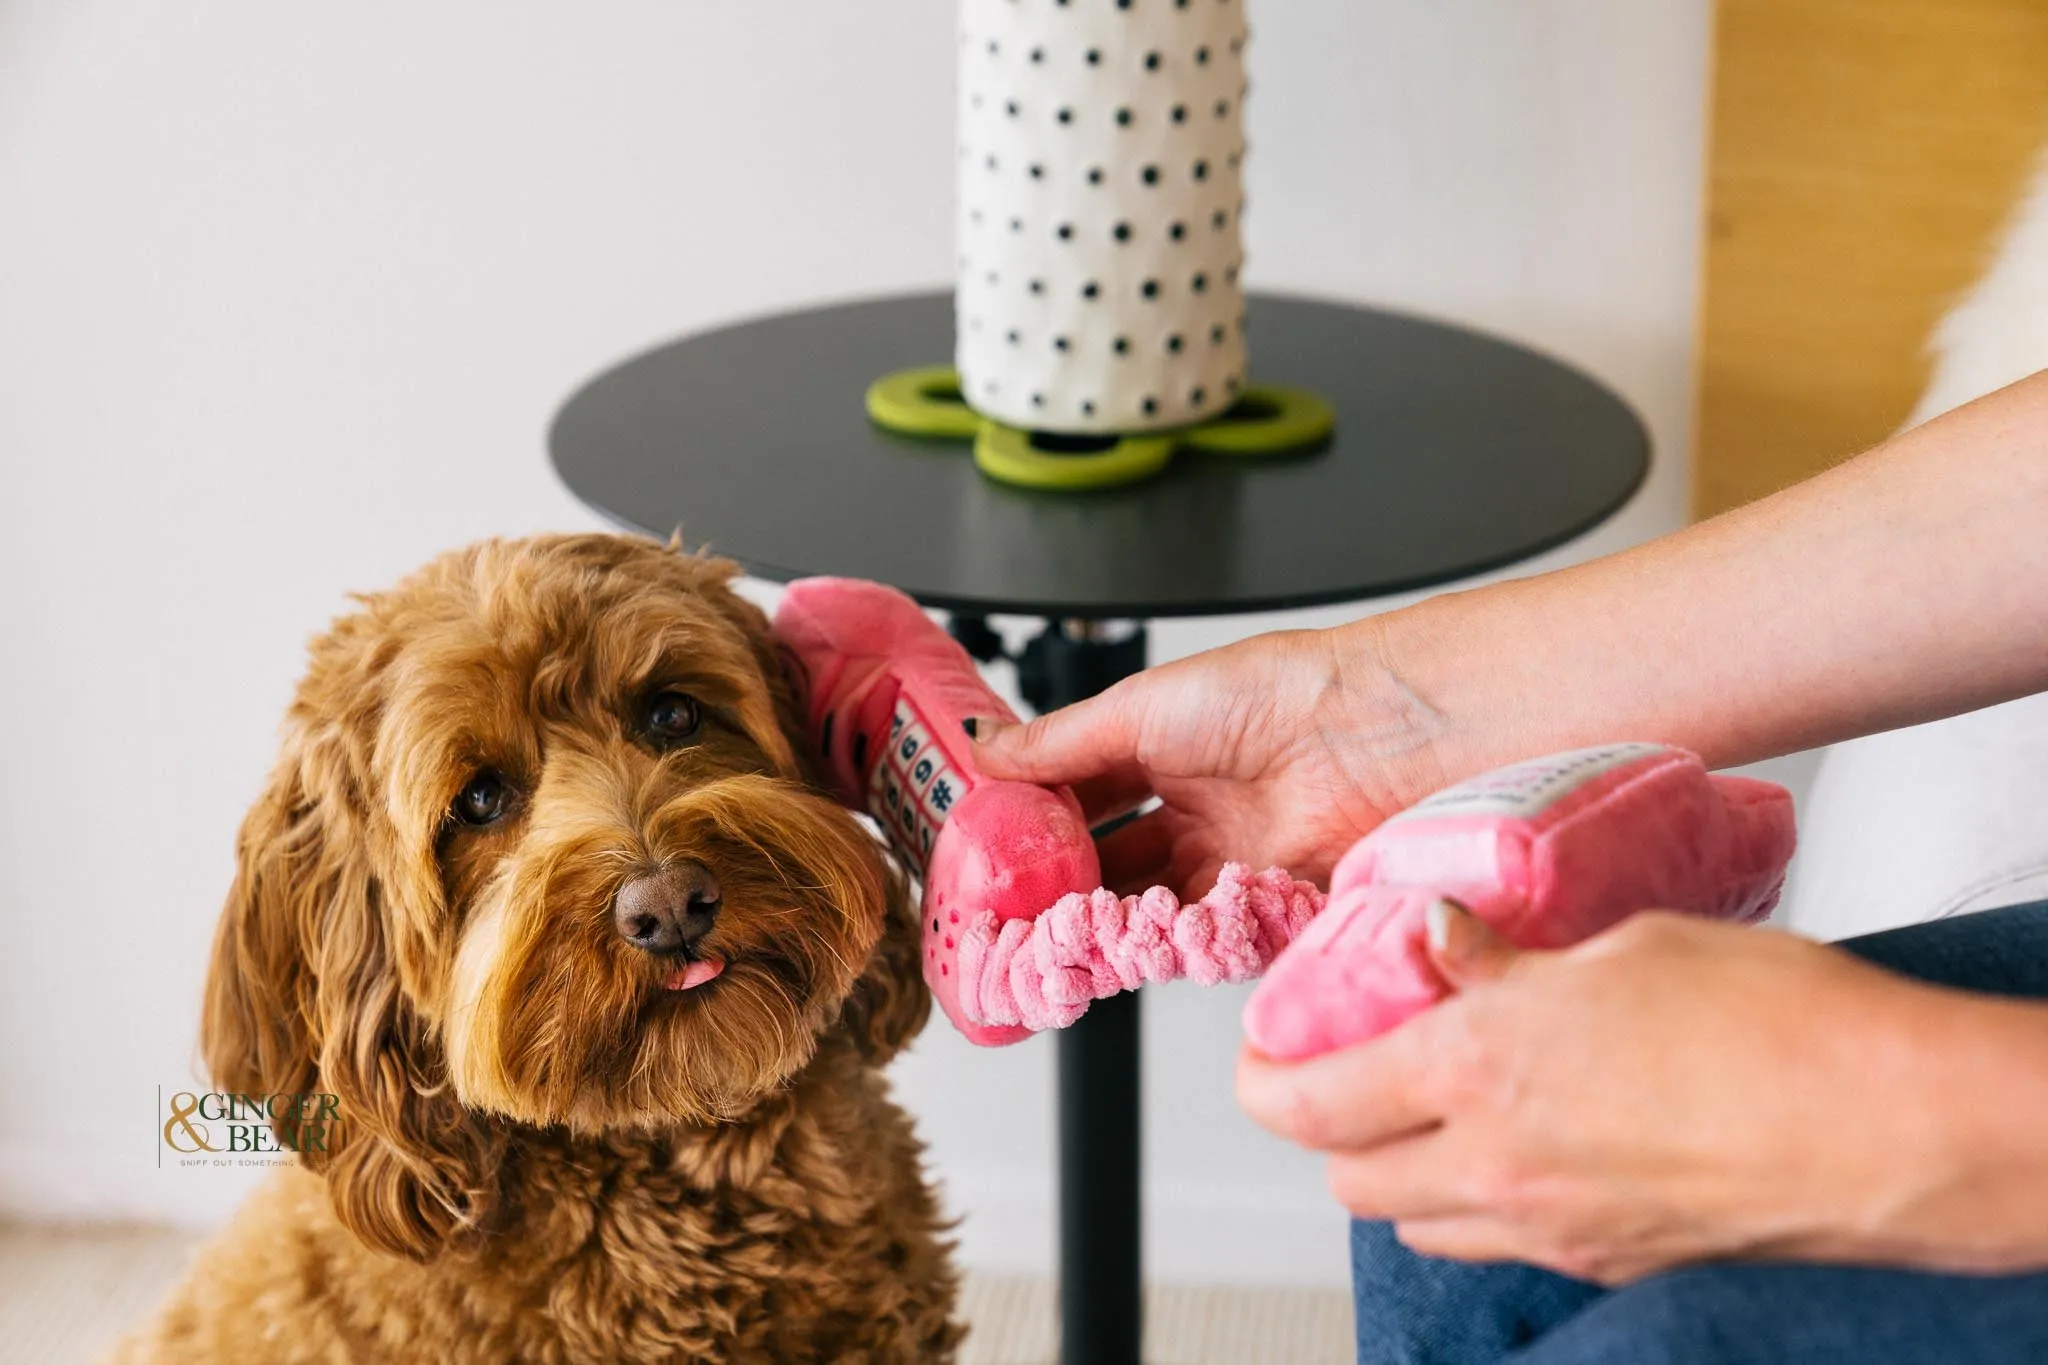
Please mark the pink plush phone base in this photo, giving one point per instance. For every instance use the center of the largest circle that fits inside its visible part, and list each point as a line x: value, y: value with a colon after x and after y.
x: 1019, y: 935
x: 1548, y: 852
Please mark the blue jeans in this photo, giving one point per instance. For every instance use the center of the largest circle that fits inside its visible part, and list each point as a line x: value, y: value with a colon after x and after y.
x: 1417, y: 1310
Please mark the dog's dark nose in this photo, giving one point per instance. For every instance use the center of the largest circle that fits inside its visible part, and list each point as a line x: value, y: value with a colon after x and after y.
x: 668, y: 909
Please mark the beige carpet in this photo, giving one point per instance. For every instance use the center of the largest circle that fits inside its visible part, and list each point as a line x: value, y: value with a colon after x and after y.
x: 67, y: 1293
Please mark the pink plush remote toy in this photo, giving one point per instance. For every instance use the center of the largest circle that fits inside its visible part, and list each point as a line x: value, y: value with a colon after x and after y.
x: 1019, y: 936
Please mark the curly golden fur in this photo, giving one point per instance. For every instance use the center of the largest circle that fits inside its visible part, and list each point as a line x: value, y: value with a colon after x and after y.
x: 544, y: 1150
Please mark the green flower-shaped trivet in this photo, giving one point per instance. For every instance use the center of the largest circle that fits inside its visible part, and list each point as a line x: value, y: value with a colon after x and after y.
x: 1265, y: 420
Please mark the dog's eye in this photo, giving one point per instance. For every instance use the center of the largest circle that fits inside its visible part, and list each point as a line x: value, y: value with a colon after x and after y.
x: 670, y: 718
x: 485, y: 801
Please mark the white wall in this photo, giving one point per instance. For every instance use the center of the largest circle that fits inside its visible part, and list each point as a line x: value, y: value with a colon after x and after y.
x: 289, y: 290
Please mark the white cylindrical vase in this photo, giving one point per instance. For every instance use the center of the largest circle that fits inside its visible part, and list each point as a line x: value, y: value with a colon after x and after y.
x: 1100, y: 159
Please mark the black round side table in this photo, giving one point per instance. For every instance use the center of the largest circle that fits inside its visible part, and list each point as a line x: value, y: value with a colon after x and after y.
x: 1454, y: 453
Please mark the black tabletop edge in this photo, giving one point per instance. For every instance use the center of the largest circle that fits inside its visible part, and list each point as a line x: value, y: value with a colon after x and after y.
x: 961, y: 603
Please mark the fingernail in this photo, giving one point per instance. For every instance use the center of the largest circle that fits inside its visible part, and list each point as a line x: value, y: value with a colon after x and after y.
x: 1436, y: 922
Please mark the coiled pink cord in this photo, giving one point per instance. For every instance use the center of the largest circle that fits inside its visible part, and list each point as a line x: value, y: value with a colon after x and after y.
x: 1043, y: 973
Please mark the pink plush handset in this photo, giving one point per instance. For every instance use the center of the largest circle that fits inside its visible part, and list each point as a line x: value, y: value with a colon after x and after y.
x: 888, y: 690
x: 1547, y: 852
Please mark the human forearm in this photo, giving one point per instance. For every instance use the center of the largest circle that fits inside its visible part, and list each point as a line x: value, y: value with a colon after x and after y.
x: 1907, y: 584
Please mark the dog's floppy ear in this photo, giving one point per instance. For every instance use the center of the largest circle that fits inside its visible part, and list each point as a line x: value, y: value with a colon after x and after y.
x: 256, y: 1029
x: 890, y: 1002
x: 303, y: 999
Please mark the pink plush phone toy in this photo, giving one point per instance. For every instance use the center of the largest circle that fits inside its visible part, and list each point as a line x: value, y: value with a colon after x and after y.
x: 888, y: 690
x: 1547, y: 852
x: 1019, y: 935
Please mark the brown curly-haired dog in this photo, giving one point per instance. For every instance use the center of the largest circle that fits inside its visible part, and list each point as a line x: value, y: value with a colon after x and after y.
x: 542, y: 894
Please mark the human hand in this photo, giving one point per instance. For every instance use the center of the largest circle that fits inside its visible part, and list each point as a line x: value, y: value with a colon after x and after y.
x: 1279, y: 750
x: 1671, y: 1091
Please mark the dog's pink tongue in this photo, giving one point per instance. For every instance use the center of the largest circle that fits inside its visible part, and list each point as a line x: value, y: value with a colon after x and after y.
x: 693, y: 976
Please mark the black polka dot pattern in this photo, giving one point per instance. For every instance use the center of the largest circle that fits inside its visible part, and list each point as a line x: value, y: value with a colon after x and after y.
x: 1100, y: 192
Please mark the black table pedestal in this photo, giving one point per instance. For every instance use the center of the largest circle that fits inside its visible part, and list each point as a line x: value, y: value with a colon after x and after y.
x: 1101, y: 1247
x: 1101, y: 1251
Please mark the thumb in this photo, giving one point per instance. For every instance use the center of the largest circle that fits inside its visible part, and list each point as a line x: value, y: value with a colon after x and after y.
x: 1464, y: 947
x: 1064, y: 746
